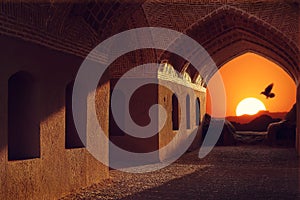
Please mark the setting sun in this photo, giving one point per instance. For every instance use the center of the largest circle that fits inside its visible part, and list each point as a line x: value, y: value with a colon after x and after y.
x: 247, y: 76
x: 249, y: 106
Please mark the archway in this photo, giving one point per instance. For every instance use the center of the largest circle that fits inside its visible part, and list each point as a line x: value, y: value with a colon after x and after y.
x: 233, y: 32
x: 248, y: 75
x: 244, y: 78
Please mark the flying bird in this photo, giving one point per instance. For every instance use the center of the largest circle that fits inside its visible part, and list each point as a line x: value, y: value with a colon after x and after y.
x: 267, y: 91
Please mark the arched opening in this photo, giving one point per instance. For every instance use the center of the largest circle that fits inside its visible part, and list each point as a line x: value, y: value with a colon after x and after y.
x: 72, y: 139
x: 188, y: 112
x: 23, y: 120
x: 175, y: 112
x: 234, y: 33
x: 197, y: 110
x: 246, y: 78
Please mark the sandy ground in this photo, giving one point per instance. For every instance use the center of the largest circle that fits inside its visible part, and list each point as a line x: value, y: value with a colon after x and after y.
x: 240, y: 172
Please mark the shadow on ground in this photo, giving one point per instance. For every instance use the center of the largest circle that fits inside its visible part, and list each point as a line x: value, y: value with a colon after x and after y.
x: 237, y: 172
x: 234, y: 173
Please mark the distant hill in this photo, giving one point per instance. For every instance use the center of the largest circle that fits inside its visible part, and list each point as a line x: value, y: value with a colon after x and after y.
x: 244, y: 119
x: 260, y: 123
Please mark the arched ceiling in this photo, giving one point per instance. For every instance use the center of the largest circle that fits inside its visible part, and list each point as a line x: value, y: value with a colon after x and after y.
x: 181, y: 14
x: 225, y: 28
x: 229, y: 32
x: 74, y: 28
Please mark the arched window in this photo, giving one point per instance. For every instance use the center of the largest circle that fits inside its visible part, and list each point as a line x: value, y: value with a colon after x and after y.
x: 188, y: 121
x: 72, y: 139
x: 114, y: 129
x: 175, y: 112
x: 197, y: 111
x: 23, y: 120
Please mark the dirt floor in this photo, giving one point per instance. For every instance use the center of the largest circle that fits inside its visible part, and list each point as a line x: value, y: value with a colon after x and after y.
x: 240, y: 172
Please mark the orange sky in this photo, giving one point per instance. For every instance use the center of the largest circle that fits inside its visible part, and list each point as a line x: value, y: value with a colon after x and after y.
x: 248, y: 75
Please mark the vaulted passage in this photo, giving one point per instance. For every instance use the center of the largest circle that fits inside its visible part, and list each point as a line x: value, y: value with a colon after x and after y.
x: 43, y: 47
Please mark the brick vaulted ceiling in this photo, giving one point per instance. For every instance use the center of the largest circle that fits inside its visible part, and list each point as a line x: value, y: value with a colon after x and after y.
x: 226, y: 28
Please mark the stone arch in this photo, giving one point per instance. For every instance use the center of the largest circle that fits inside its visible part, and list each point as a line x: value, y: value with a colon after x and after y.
x: 23, y: 119
x: 233, y: 32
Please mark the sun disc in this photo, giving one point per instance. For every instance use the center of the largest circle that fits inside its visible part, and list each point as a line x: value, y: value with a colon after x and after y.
x: 249, y: 106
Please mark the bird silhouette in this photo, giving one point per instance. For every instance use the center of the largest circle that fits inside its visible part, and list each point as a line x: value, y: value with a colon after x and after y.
x: 267, y: 91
